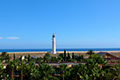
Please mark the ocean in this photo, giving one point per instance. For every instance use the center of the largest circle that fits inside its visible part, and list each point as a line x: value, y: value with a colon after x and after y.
x: 48, y: 50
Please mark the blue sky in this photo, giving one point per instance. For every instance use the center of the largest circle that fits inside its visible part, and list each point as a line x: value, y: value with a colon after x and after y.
x: 76, y: 23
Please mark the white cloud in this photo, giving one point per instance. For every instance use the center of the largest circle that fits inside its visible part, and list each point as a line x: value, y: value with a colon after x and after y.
x: 12, y: 38
x: 1, y: 38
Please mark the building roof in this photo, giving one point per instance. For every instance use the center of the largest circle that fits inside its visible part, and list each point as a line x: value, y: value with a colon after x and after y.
x: 34, y: 57
x: 102, y: 53
x: 108, y: 54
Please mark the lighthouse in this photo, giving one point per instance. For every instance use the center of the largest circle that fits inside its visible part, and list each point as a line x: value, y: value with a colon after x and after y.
x: 53, y: 44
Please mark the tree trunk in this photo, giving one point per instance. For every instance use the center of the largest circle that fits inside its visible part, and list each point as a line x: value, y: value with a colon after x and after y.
x: 21, y: 75
x: 63, y: 75
x: 92, y: 78
x: 100, y: 77
x: 75, y: 76
x: 12, y: 71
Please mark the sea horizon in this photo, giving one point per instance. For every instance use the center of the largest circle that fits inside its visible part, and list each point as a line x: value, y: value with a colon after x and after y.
x: 59, y: 49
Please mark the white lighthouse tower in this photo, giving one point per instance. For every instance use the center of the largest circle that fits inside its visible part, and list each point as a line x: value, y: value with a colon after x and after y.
x: 53, y: 44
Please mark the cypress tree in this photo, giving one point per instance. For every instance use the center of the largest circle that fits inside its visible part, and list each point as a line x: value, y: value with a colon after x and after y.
x: 25, y: 57
x: 64, y: 55
x: 14, y: 57
x: 20, y: 58
x: 29, y: 57
x: 73, y: 56
x: 79, y: 57
x: 68, y: 56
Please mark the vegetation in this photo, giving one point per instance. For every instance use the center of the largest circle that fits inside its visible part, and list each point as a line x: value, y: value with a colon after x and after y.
x: 73, y: 56
x: 47, y: 57
x: 29, y: 58
x: 90, y: 52
x: 4, y: 54
x: 64, y: 55
x: 14, y: 57
x: 113, y: 73
x: 68, y: 56
x: 94, y: 68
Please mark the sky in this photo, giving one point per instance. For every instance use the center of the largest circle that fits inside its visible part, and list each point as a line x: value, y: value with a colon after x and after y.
x: 29, y: 24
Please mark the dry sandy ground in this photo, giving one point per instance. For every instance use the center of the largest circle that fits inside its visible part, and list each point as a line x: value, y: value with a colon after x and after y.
x: 41, y: 54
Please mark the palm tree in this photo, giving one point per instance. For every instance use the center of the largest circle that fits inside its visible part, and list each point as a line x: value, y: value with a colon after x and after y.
x: 94, y: 69
x: 3, y: 54
x: 98, y: 59
x: 4, y: 75
x: 45, y: 72
x: 60, y: 59
x: 31, y: 71
x: 8, y: 57
x: 1, y: 70
x: 115, y: 72
x: 90, y: 52
x: 41, y: 71
x: 80, y: 71
x: 75, y: 69
x: 63, y: 68
x: 40, y: 59
x: 13, y: 65
x: 68, y: 73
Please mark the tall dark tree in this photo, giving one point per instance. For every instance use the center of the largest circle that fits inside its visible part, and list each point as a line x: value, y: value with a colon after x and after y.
x: 20, y: 58
x: 80, y: 58
x: 14, y: 57
x: 73, y: 56
x: 3, y: 54
x: 90, y: 52
x: 8, y: 57
x: 68, y: 57
x: 29, y: 57
x: 64, y: 55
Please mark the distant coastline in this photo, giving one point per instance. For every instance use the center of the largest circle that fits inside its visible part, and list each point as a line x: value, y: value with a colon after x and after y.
x: 42, y: 53
x: 59, y: 50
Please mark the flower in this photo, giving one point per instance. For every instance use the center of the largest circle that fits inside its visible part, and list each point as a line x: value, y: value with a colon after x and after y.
x: 7, y: 75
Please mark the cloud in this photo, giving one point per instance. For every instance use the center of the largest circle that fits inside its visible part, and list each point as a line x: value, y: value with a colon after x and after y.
x: 1, y: 38
x: 12, y: 38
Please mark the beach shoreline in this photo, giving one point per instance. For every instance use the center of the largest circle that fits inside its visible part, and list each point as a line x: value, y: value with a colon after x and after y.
x: 43, y: 52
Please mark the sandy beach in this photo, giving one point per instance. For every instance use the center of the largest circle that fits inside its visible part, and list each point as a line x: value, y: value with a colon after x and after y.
x: 60, y: 52
x: 41, y: 54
